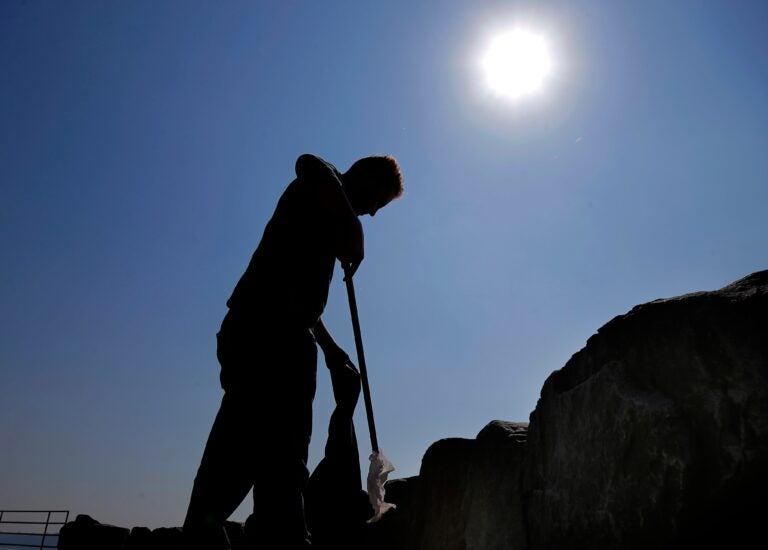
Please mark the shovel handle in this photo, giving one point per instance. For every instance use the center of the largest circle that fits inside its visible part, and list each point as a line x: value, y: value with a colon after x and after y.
x: 361, y: 359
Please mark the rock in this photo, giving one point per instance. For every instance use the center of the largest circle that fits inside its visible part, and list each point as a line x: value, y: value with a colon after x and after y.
x: 492, y: 505
x: 655, y: 434
x: 167, y: 538
x: 467, y: 495
x: 140, y: 538
x: 85, y: 533
x: 392, y: 530
x: 438, y: 522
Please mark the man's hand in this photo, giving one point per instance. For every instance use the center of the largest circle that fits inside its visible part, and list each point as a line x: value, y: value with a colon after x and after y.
x: 351, y: 248
x: 337, y: 358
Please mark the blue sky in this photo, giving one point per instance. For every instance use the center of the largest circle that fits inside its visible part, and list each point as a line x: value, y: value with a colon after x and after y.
x: 143, y: 146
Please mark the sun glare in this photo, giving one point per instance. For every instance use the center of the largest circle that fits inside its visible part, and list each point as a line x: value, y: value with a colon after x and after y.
x: 517, y: 63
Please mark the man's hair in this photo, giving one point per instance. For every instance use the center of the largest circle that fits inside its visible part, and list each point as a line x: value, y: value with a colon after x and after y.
x: 384, y: 169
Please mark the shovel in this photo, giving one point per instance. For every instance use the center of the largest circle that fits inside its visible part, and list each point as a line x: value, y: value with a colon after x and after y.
x: 380, y: 466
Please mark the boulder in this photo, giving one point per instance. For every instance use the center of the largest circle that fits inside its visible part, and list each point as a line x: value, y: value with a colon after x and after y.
x: 492, y: 505
x: 438, y: 522
x: 166, y: 538
x: 85, y: 533
x: 392, y: 530
x: 467, y: 495
x: 655, y: 434
x: 140, y: 538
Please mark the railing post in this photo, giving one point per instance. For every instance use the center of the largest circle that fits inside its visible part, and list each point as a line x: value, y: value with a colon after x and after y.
x: 45, y: 531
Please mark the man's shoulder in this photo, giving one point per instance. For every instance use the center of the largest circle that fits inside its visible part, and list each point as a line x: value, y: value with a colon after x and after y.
x: 309, y: 166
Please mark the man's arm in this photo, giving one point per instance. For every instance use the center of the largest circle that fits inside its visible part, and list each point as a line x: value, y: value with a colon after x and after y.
x: 335, y: 357
x: 330, y: 196
x: 344, y: 374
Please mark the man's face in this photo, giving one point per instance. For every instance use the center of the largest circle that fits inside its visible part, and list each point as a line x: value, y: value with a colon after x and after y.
x: 376, y: 197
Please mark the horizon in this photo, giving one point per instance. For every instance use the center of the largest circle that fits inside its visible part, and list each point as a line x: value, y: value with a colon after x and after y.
x: 143, y: 148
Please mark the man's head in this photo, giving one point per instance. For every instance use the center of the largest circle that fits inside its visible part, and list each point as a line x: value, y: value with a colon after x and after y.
x: 372, y: 183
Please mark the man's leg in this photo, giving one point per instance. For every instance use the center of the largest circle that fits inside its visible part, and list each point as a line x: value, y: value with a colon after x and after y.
x: 278, y: 519
x: 224, y: 477
x: 278, y: 510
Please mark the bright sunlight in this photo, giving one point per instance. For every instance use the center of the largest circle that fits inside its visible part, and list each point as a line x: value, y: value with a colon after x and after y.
x: 517, y: 63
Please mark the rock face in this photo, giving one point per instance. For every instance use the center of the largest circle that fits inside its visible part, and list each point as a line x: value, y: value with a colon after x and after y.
x: 656, y: 433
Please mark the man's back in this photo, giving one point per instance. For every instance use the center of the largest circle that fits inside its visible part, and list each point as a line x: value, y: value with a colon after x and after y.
x: 289, y: 274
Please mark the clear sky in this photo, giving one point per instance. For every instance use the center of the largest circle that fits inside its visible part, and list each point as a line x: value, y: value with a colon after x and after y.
x: 143, y: 146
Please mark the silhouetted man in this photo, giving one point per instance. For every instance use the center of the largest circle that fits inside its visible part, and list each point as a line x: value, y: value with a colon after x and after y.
x: 266, y: 349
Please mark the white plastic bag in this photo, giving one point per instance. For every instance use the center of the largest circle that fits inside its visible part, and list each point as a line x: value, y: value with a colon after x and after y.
x: 377, y: 476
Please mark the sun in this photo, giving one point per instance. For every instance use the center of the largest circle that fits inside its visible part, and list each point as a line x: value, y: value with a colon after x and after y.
x: 517, y: 63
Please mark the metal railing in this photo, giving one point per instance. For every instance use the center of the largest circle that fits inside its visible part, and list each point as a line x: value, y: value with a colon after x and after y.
x: 40, y: 528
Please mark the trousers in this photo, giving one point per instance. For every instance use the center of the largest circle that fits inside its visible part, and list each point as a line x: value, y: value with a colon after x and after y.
x: 259, y: 440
